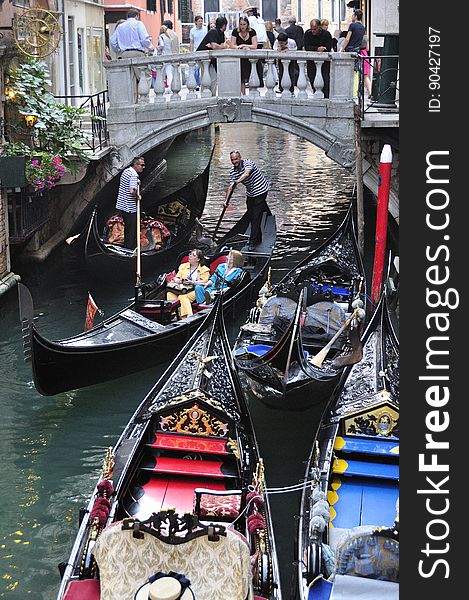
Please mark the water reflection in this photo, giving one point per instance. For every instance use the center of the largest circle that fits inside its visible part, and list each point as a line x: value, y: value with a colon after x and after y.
x: 52, y: 447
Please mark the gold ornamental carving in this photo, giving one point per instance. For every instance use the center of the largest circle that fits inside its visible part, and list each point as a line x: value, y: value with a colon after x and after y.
x: 194, y: 420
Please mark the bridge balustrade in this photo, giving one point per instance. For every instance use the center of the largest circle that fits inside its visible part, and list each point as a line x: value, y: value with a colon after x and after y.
x: 129, y: 80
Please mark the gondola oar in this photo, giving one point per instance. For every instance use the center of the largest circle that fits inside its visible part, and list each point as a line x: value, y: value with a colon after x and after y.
x: 138, y: 278
x: 321, y: 355
x: 225, y: 206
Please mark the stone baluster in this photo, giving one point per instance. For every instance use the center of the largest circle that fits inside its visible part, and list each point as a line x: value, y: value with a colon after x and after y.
x: 176, y: 83
x: 302, y: 80
x: 191, y: 82
x: 270, y: 79
x: 205, y: 79
x: 143, y: 88
x: 254, y: 79
x: 286, y: 81
x: 159, y: 83
x: 318, y: 80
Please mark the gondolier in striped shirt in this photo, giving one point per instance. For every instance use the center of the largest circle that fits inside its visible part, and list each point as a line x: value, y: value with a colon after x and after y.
x: 127, y: 196
x: 246, y: 171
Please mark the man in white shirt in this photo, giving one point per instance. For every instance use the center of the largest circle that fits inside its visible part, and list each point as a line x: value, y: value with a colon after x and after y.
x: 131, y: 38
x: 258, y: 24
x: 197, y: 34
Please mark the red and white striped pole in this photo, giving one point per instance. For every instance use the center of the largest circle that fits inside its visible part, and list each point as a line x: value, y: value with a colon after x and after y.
x: 381, y: 221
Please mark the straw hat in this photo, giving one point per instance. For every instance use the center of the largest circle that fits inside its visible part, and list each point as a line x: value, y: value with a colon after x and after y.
x: 249, y: 8
x: 165, y: 588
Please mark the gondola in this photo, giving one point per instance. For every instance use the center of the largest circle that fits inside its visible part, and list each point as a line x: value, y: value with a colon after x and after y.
x: 348, y: 541
x: 166, y: 228
x: 144, y: 333
x: 316, y: 307
x: 182, y: 493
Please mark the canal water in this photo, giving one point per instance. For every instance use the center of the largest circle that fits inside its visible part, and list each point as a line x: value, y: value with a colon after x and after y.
x: 52, y: 447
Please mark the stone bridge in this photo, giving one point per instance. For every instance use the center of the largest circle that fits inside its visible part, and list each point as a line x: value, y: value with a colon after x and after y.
x: 140, y: 118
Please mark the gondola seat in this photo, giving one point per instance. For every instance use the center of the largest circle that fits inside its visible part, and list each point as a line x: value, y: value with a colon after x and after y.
x: 217, y: 570
x: 162, y: 311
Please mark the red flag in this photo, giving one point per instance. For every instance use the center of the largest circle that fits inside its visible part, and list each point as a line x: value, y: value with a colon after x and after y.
x: 91, y: 310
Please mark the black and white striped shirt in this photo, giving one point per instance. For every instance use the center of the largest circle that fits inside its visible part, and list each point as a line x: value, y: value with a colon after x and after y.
x: 125, y: 201
x: 256, y: 184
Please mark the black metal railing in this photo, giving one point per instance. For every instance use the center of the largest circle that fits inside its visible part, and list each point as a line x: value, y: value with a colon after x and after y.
x: 96, y: 127
x: 384, y: 80
x: 27, y: 212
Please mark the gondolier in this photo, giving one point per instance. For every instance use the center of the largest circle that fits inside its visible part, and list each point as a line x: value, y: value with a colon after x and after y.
x: 127, y: 197
x: 246, y: 171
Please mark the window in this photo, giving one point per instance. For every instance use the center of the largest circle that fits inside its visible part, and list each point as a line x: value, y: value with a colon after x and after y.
x: 319, y: 9
x: 162, y: 7
x: 212, y: 6
x: 185, y: 12
x: 334, y: 11
x: 269, y: 10
x: 343, y: 10
x: 170, y: 7
x: 151, y: 5
x: 299, y: 16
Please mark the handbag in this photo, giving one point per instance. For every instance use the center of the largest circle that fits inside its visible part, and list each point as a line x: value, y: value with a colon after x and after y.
x: 179, y: 288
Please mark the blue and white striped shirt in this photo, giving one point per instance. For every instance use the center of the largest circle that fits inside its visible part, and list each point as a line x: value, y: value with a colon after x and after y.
x: 128, y: 180
x: 256, y: 184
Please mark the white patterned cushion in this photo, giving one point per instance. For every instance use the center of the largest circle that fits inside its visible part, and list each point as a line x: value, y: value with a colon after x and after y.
x: 217, y: 570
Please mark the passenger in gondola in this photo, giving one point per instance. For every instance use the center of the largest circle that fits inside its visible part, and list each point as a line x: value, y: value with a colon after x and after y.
x: 223, y: 278
x: 190, y: 273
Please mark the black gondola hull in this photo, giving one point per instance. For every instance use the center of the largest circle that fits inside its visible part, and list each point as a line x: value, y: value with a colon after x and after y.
x: 284, y: 377
x: 128, y: 342
x: 118, y: 264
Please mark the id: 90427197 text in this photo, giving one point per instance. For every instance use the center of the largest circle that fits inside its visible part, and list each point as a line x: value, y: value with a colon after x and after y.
x: 434, y: 102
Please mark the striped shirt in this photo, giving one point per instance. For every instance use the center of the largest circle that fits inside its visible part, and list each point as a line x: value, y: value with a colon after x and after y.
x: 125, y: 201
x: 256, y: 184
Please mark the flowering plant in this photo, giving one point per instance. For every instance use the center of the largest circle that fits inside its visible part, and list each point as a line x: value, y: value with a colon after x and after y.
x: 45, y: 171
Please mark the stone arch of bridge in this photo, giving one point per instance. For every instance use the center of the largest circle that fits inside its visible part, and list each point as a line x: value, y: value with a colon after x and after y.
x: 151, y: 133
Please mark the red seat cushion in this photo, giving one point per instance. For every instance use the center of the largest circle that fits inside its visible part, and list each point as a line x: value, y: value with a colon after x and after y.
x: 218, y: 261
x: 220, y: 506
x: 83, y: 589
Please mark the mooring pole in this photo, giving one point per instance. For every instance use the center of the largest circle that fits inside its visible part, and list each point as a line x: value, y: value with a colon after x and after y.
x: 359, y: 177
x: 381, y: 221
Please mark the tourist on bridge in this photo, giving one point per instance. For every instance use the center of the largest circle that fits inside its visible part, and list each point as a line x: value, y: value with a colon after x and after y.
x: 127, y: 196
x: 318, y: 39
x: 295, y: 32
x: 197, y: 34
x: 284, y: 44
x: 131, y: 38
x: 257, y: 23
x: 243, y: 37
x: 175, y: 48
x: 215, y: 40
x: 246, y: 171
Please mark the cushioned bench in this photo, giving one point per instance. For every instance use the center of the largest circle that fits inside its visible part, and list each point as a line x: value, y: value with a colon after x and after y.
x: 217, y: 570
x: 186, y: 467
x: 367, y: 446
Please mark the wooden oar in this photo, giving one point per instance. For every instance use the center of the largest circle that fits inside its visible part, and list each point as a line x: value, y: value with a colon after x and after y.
x: 321, y: 355
x: 225, y: 206
x: 138, y: 279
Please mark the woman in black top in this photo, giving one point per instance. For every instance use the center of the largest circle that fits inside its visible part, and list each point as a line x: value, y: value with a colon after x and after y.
x: 244, y: 37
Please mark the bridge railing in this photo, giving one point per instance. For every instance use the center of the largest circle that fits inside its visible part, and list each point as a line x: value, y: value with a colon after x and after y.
x: 130, y: 81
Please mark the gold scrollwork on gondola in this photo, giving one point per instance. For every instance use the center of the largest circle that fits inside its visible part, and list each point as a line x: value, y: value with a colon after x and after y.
x: 194, y: 420
x: 108, y: 463
x: 382, y: 421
